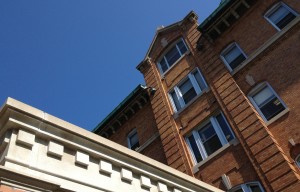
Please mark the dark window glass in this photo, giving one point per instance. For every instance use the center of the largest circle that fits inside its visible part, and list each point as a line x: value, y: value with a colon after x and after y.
x: 255, y: 188
x: 286, y: 20
x: 134, y: 141
x: 224, y: 127
x: 163, y: 65
x: 172, y: 56
x: 272, y: 108
x: 281, y: 16
x: 181, y: 47
x: 187, y: 90
x: 268, y: 103
x: 234, y: 57
x: 195, y: 148
x: 209, y: 139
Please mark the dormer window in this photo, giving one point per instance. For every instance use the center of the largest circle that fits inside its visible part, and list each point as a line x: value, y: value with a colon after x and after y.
x: 172, y: 56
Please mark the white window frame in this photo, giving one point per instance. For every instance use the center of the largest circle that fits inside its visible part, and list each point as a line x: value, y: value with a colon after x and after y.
x: 297, y: 160
x: 274, y: 8
x: 257, y: 89
x: 134, y: 131
x: 163, y: 56
x: 245, y: 187
x: 197, y: 138
x: 226, y: 50
x: 179, y: 95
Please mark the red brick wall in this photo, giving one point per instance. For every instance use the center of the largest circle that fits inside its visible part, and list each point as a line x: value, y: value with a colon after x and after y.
x: 264, y: 152
x: 143, y: 121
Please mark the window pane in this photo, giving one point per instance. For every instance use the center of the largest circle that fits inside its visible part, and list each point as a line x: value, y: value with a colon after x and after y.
x: 262, y: 96
x: 172, y: 56
x: 187, y: 90
x: 234, y: 57
x: 281, y: 17
x: 134, y: 141
x: 224, y: 127
x: 163, y: 65
x: 237, y: 61
x: 181, y: 47
x: 272, y: 108
x: 195, y: 148
x: 175, y: 100
x: 199, y: 80
x: 286, y: 20
x: 254, y: 188
x: 298, y: 160
x: 278, y: 14
x: 209, y: 139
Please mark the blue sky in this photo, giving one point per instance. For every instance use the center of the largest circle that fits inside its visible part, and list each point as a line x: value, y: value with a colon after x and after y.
x: 76, y: 59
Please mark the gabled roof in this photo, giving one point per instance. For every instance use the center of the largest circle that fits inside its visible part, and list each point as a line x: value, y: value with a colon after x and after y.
x: 167, y: 28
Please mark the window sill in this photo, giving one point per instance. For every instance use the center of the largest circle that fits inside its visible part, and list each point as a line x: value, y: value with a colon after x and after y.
x: 234, y: 142
x: 267, y: 44
x: 176, y: 114
x: 282, y: 113
x: 167, y: 71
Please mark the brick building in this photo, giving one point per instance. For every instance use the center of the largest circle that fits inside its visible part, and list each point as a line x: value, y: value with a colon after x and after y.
x: 220, y: 101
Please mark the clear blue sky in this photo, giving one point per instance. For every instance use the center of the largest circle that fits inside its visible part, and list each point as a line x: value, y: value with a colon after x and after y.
x: 76, y: 59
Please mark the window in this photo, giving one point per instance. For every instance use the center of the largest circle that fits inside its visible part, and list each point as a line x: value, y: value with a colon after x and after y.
x: 173, y: 55
x: 233, y: 56
x: 280, y: 15
x: 248, y: 187
x: 266, y: 101
x: 297, y: 160
x: 209, y: 137
x: 133, y: 140
x: 187, y: 90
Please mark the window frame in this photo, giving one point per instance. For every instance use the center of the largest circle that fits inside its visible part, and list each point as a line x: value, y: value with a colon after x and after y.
x: 256, y: 90
x: 129, y: 136
x: 297, y: 160
x: 179, y: 96
x: 167, y: 51
x: 226, y: 50
x: 218, y: 130
x: 245, y: 187
x: 273, y: 9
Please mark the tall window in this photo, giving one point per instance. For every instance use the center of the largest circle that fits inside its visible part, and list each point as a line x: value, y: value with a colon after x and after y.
x: 280, y: 15
x: 233, y: 56
x: 266, y: 101
x: 133, y: 140
x: 172, y: 55
x: 209, y: 137
x: 248, y: 187
x: 187, y: 90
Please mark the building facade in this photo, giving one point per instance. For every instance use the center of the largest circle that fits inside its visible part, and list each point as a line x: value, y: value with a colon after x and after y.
x: 223, y: 97
x: 41, y: 153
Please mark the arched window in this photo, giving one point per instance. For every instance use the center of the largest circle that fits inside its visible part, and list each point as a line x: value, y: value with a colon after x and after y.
x: 174, y: 53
